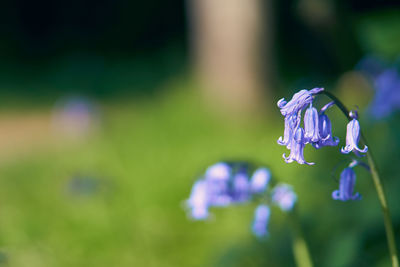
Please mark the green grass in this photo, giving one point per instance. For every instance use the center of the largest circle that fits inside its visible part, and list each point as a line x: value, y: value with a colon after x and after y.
x: 146, y: 156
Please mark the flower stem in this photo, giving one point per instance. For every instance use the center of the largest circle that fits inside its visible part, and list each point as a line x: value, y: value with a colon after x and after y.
x: 378, y: 185
x: 300, y: 249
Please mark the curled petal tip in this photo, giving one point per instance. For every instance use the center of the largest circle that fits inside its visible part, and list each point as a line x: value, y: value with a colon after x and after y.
x: 345, y: 150
x: 281, y: 103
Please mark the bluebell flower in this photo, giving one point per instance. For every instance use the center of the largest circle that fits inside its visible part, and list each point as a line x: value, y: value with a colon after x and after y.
x: 353, y: 136
x: 218, y: 171
x: 297, y: 148
x: 346, y: 186
x: 217, y: 178
x: 241, y: 187
x: 387, y: 95
x: 311, y: 125
x: 284, y: 196
x: 259, y: 180
x: 198, y: 201
x: 325, y: 129
x: 299, y: 101
x: 260, y: 222
x: 292, y: 122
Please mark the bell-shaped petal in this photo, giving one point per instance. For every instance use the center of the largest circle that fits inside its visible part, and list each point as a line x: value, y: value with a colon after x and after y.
x: 260, y: 179
x: 260, y: 222
x: 284, y: 196
x: 198, y: 201
x: 311, y: 125
x: 346, y: 186
x: 325, y: 132
x: 352, y: 138
x: 290, y: 126
x: 297, y: 148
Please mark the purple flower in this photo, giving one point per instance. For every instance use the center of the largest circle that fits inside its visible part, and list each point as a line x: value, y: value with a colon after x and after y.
x: 218, y: 171
x: 346, y: 186
x: 293, y: 137
x: 241, y: 188
x: 387, y: 96
x: 298, y: 102
x: 353, y: 137
x: 217, y: 177
x: 284, y: 196
x: 198, y: 201
x: 311, y: 126
x: 291, y: 124
x: 297, y: 148
x: 259, y: 180
x: 260, y: 222
x: 325, y: 129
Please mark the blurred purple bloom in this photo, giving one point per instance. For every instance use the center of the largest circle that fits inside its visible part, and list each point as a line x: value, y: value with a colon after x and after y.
x: 217, y: 177
x: 75, y: 116
x: 198, y: 201
x: 387, y: 95
x: 346, y: 186
x: 260, y: 222
x: 218, y: 171
x: 311, y: 130
x: 284, y: 196
x: 371, y: 65
x: 297, y: 148
x: 352, y: 138
x: 241, y: 188
x: 259, y: 180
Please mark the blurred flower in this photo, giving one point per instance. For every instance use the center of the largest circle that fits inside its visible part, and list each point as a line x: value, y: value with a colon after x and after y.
x: 259, y: 180
x: 386, y: 83
x: 198, y: 201
x: 284, y: 196
x: 241, y: 187
x: 75, y: 116
x: 353, y: 136
x: 217, y: 177
x: 218, y: 171
x: 260, y: 222
x: 297, y: 148
x: 387, y: 95
x: 221, y: 186
x: 346, y: 186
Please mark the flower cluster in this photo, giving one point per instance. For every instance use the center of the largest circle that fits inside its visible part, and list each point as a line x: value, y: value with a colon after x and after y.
x: 225, y: 184
x: 317, y: 131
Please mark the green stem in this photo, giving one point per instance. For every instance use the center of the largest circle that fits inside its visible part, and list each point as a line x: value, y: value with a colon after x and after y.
x: 378, y: 185
x: 300, y: 249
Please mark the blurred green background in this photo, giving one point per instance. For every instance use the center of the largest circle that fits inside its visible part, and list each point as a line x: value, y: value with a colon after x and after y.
x: 110, y: 109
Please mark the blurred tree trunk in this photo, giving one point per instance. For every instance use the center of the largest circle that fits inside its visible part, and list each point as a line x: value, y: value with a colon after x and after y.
x: 231, y: 44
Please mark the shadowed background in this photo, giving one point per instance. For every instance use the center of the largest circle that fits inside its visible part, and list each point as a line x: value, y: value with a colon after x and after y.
x: 111, y: 109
